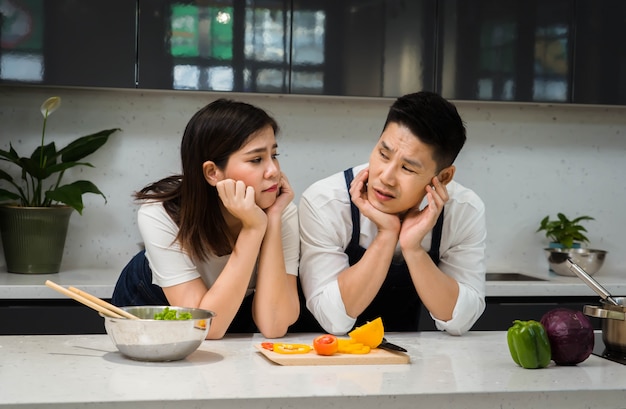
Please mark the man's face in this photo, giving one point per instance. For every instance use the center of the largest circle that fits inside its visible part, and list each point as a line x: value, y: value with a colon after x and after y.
x: 400, y: 167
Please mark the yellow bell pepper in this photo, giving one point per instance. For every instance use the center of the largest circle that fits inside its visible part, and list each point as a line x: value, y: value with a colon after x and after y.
x: 283, y: 348
x: 349, y: 346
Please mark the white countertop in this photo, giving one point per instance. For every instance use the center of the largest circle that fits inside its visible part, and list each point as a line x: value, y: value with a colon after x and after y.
x: 472, y: 371
x: 100, y: 282
x: 557, y: 285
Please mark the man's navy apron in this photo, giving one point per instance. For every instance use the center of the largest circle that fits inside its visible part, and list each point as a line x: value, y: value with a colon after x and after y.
x: 397, y: 301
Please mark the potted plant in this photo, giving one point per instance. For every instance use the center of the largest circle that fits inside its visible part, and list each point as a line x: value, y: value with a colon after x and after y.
x: 566, y: 240
x: 34, y: 215
x: 563, y: 232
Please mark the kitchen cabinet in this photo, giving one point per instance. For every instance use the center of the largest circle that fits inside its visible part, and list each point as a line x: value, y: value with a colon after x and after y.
x: 600, y: 52
x: 505, y: 50
x: 482, y: 50
x: 214, y: 46
x: 347, y: 47
x: 379, y: 48
x: 563, y: 51
x: 553, y: 51
x: 68, y: 43
x: 500, y: 312
x: 65, y: 316
x: 50, y: 317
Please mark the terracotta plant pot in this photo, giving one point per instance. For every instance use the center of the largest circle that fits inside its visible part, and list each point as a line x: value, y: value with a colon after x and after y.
x: 33, y: 238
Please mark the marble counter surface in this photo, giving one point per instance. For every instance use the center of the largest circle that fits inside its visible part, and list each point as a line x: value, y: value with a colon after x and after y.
x: 472, y: 371
x: 556, y: 285
x: 100, y: 282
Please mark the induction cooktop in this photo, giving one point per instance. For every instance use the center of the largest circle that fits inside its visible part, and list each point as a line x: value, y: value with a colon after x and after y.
x: 600, y: 350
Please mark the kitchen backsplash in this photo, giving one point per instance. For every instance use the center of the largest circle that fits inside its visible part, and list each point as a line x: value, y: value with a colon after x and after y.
x: 525, y: 160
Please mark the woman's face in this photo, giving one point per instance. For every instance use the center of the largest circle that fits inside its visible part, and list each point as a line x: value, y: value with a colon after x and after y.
x: 256, y: 165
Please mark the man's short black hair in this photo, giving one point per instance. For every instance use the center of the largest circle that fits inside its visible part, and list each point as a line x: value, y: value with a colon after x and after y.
x: 432, y: 119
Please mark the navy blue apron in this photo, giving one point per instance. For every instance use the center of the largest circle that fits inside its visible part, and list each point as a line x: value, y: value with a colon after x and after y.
x: 397, y: 301
x: 134, y: 287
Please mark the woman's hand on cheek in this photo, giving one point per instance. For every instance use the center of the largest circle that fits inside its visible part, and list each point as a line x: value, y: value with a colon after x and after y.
x: 239, y: 200
x: 283, y: 198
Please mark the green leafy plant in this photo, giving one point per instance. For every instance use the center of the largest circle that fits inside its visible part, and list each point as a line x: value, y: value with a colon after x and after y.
x: 45, y: 162
x: 565, y: 231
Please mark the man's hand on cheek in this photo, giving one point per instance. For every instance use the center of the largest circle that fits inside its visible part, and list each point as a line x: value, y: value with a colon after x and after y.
x: 358, y: 193
x: 418, y: 222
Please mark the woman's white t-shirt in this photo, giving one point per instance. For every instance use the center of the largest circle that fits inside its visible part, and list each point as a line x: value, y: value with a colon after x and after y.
x: 171, y: 266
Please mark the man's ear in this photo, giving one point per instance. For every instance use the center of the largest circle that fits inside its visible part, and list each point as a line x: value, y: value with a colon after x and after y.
x: 447, y: 174
x: 211, y: 172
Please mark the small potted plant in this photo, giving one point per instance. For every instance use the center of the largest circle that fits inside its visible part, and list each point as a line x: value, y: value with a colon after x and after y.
x: 566, y: 242
x: 563, y: 232
x: 34, y: 215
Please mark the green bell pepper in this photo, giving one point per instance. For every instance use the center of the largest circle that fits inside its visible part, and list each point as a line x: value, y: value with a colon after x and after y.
x: 529, y: 344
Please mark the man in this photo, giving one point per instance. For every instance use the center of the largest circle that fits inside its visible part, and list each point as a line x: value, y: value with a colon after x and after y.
x: 383, y: 238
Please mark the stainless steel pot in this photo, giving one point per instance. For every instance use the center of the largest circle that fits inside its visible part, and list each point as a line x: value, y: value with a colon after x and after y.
x: 613, y: 322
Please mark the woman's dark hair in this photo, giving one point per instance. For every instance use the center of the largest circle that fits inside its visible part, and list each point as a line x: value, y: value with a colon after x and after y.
x: 213, y: 133
x: 434, y: 120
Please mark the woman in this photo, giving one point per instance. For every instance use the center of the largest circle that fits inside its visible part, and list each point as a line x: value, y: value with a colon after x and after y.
x: 223, y: 236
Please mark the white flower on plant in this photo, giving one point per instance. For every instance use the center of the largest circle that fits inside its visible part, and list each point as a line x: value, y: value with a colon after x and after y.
x: 50, y: 105
x: 47, y: 108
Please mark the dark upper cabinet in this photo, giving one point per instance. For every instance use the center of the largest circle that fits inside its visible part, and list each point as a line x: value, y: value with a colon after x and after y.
x: 555, y: 51
x: 238, y: 46
x: 327, y: 47
x: 600, y: 52
x: 505, y: 50
x: 362, y: 48
x: 68, y: 42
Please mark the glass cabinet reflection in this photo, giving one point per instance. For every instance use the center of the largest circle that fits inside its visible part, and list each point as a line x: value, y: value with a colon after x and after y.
x: 363, y: 48
x: 553, y: 51
x: 67, y: 42
x: 506, y: 50
x: 329, y: 47
x: 214, y: 45
x: 600, y: 52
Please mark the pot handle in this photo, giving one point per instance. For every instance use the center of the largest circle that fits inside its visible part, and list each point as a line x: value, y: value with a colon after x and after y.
x: 595, y: 311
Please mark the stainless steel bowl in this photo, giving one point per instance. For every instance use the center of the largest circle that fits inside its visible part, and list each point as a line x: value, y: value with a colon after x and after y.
x: 589, y: 260
x: 147, y: 339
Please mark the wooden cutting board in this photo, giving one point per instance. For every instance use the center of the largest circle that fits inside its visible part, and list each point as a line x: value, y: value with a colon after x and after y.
x: 375, y: 357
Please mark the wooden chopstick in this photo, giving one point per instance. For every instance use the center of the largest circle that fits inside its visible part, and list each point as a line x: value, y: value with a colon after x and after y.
x: 103, y: 303
x: 83, y: 300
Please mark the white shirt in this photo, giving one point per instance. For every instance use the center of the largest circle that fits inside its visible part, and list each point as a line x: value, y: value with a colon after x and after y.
x: 325, y: 232
x: 171, y: 266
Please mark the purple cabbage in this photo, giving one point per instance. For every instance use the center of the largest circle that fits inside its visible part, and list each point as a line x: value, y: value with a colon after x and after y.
x: 571, y: 335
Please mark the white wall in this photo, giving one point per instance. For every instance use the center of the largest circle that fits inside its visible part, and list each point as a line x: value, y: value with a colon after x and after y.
x: 525, y: 161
